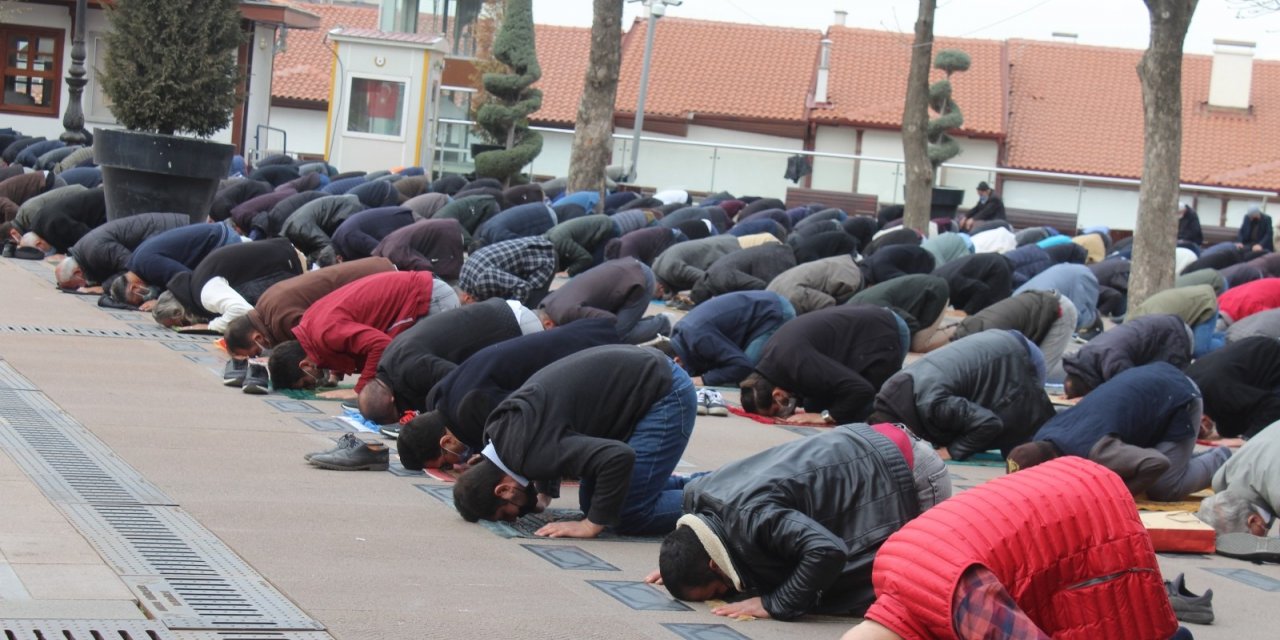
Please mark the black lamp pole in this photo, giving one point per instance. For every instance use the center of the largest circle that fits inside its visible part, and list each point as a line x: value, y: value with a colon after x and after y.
x: 73, y: 119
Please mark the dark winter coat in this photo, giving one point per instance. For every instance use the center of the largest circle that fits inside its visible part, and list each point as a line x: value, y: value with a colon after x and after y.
x: 644, y: 245
x: 426, y: 245
x: 161, y: 257
x: 1155, y: 338
x: 819, y: 284
x: 106, y: 250
x: 777, y: 215
x: 378, y: 193
x: 825, y: 244
x: 579, y: 241
x: 712, y: 339
x: 977, y: 281
x: 360, y: 234
x: 468, y: 394
x: 236, y: 192
x: 573, y: 419
x: 750, y: 269
x: 249, y: 267
x: 73, y: 218
x: 992, y: 209
x: 1189, y: 228
x: 1031, y: 313
x: 1143, y: 407
x: 901, y: 235
x: 896, y: 261
x: 275, y: 174
x: 975, y: 394
x: 311, y: 227
x: 423, y: 354
x: 1256, y: 232
x: 470, y: 212
x: 520, y: 221
x: 802, y: 521
x: 1027, y: 262
x: 918, y: 299
x: 1241, y: 385
x: 834, y: 359
x: 684, y: 265
x: 762, y: 204
x: 600, y: 292
x: 245, y: 213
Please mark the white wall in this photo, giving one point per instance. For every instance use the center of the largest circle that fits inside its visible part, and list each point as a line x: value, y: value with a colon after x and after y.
x: 740, y: 172
x: 556, y: 149
x: 258, y: 110
x: 834, y: 174
x: 306, y: 129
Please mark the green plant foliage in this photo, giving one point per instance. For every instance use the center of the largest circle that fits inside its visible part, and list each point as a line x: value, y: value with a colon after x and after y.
x: 943, y: 147
x: 171, y: 64
x: 505, y: 118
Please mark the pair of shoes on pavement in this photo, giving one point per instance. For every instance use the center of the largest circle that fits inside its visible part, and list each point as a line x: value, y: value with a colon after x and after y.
x: 1247, y: 546
x: 681, y: 303
x: 352, y: 454
x: 1187, y: 606
x: 251, y: 378
x: 711, y: 403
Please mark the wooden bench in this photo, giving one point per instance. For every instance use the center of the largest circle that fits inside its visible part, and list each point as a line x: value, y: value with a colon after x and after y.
x: 1214, y: 235
x: 850, y: 203
x: 1065, y: 223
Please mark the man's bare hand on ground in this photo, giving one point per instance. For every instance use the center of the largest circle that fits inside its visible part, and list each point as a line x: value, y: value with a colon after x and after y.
x: 572, y: 529
x: 753, y: 607
x: 806, y: 419
x: 338, y: 394
x: 654, y: 578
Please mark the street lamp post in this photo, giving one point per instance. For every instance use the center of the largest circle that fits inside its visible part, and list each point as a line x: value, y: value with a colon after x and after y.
x: 73, y: 118
x: 657, y: 9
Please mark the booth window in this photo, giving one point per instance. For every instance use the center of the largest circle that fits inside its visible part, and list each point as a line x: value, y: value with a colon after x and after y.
x: 376, y: 107
x: 32, y: 69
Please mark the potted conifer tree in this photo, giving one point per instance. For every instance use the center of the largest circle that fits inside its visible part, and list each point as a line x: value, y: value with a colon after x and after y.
x: 170, y: 68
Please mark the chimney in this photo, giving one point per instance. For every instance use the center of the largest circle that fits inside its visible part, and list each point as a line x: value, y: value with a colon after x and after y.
x: 841, y: 15
x: 1232, y: 77
x: 824, y: 70
x: 1063, y: 36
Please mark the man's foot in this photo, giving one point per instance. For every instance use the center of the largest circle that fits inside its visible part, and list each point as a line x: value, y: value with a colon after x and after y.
x: 233, y: 374
x: 368, y: 456
x: 256, y: 381
x: 1187, y: 606
x: 347, y: 441
x: 1247, y: 546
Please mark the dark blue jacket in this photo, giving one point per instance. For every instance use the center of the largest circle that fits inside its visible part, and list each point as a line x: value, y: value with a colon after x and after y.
x: 521, y: 221
x: 161, y: 257
x: 1257, y: 232
x: 466, y: 395
x: 360, y: 234
x: 339, y: 187
x: 712, y: 340
x: 1142, y: 406
x: 1028, y: 261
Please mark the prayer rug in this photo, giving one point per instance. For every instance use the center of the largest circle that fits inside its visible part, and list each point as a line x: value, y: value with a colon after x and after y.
x: 984, y: 459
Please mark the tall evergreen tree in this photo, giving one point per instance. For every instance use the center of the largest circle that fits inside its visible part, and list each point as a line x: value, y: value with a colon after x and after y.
x: 171, y: 64
x: 506, y: 116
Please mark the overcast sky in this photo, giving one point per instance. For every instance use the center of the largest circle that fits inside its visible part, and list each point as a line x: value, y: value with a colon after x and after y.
x: 1119, y: 23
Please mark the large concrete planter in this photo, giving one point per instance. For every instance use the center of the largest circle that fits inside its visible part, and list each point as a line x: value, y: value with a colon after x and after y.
x: 147, y: 172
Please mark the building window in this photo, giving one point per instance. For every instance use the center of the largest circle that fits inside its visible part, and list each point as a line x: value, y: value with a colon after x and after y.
x: 376, y: 107
x: 32, y: 69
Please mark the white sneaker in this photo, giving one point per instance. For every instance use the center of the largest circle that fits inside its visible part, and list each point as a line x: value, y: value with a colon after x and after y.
x: 702, y: 402
x: 715, y: 403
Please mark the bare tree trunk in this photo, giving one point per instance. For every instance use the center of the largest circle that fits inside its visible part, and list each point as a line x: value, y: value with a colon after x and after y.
x: 915, y: 123
x: 1155, y: 236
x: 592, y: 137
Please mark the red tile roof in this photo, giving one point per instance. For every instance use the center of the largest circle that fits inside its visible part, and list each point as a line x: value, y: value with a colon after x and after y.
x: 867, y: 84
x: 563, y: 53
x: 721, y: 69
x: 304, y: 70
x: 1090, y: 121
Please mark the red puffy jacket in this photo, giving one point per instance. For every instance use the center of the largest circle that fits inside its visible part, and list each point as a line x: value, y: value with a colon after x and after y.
x: 1065, y: 540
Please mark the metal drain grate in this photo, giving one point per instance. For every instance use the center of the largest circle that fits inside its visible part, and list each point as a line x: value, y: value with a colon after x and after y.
x: 252, y: 635
x: 67, y: 462
x: 146, y: 540
x: 215, y: 602
x: 129, y: 334
x: 11, y: 379
x: 84, y: 630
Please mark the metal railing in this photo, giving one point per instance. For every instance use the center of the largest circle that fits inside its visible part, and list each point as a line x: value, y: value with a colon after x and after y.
x: 461, y: 158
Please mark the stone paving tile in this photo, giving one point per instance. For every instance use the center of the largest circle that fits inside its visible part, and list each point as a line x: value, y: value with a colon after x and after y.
x: 72, y: 582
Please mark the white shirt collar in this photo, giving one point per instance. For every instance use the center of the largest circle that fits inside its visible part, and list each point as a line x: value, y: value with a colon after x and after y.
x: 491, y: 454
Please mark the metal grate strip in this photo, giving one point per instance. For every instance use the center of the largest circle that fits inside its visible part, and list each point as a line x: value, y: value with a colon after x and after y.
x: 129, y: 334
x: 66, y: 461
x: 145, y: 540
x: 216, y: 602
x: 11, y: 379
x: 84, y: 630
x: 252, y: 635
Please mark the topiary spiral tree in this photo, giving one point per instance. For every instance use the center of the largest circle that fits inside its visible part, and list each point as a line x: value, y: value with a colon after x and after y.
x: 943, y: 147
x: 506, y: 116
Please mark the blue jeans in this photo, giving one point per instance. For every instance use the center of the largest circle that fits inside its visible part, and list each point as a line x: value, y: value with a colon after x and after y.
x: 756, y: 347
x: 1207, y: 339
x: 904, y: 334
x: 655, y: 498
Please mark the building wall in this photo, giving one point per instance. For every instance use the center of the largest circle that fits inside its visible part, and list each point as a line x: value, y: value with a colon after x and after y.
x: 306, y: 128
x: 259, y: 98
x: 369, y: 152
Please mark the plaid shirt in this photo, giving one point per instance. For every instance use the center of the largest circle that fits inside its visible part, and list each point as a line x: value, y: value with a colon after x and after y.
x: 982, y: 609
x: 510, y: 269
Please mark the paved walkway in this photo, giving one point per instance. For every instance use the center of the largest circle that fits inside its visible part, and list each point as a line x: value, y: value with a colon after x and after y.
x: 189, y: 504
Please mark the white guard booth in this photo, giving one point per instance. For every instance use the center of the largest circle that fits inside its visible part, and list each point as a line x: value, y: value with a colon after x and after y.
x: 383, y: 98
